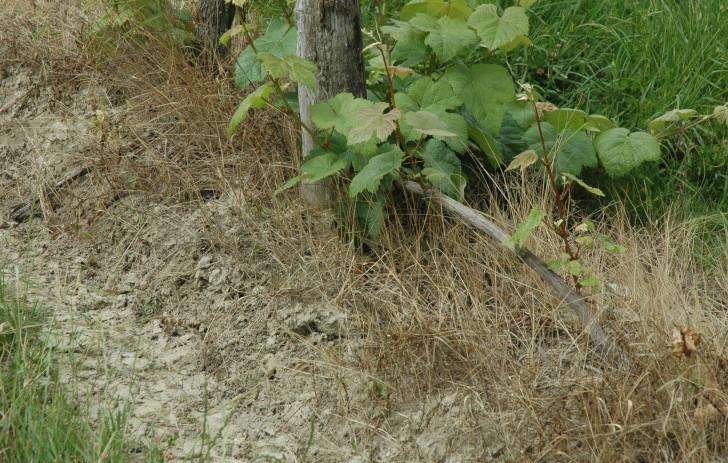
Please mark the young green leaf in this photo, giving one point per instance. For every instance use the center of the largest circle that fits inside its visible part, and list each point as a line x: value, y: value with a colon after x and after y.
x: 604, y: 239
x: 255, y: 100
x: 457, y: 9
x: 573, y: 267
x: 496, y: 31
x: 568, y: 151
x: 558, y: 263
x: 590, y: 189
x: 523, y: 160
x: 373, y: 121
x: 338, y: 112
x: 369, y: 177
x: 586, y: 241
x: 484, y: 88
x: 279, y: 40
x: 608, y: 245
x: 658, y: 124
x: 292, y: 67
x: 621, y: 151
x: 524, y: 230
x: 591, y: 282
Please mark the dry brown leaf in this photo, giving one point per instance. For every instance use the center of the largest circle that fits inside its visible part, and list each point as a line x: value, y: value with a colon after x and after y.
x: 548, y: 107
x: 685, y: 341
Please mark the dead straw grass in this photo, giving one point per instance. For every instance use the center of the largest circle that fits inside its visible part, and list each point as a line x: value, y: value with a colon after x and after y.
x: 439, y: 307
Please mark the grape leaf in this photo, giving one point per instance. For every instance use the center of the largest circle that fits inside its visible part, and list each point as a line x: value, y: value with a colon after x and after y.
x: 232, y: 32
x: 338, y: 112
x: 256, y: 100
x: 484, y: 88
x: 317, y: 167
x: 721, y: 114
x: 598, y: 123
x: 559, y: 262
x: 496, y: 31
x: 447, y: 37
x: 279, y: 40
x: 526, y: 3
x: 510, y: 138
x: 370, y: 212
x: 575, y: 149
x: 369, y: 177
x: 592, y: 282
x: 573, y: 267
x: 373, y: 121
x: 441, y: 164
x: 410, y: 48
x: 522, y: 113
x: 437, y: 98
x: 292, y: 67
x: 572, y: 119
x: 425, y: 93
x: 428, y: 123
x: 621, y: 151
x: 457, y: 9
x: 525, y: 228
x: 513, y: 44
x: 604, y: 239
x: 658, y: 124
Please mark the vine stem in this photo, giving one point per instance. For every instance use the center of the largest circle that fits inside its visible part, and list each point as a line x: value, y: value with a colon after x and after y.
x: 687, y: 127
x: 390, y: 80
x: 561, y: 229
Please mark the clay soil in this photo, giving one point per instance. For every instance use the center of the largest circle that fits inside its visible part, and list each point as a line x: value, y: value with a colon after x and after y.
x: 190, y: 294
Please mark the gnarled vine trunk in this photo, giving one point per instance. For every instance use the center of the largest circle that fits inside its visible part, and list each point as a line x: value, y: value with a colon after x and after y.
x: 329, y: 35
x: 215, y: 18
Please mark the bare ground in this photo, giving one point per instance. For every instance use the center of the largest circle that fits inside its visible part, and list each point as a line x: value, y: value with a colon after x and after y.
x: 251, y: 327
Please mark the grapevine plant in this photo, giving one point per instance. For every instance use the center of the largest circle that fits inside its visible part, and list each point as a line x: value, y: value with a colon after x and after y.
x: 434, y: 97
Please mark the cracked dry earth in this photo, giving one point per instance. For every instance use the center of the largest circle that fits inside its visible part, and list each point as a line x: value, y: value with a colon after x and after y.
x: 210, y: 317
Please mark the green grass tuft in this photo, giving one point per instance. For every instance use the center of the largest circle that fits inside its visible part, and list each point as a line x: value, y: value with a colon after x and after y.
x: 38, y: 421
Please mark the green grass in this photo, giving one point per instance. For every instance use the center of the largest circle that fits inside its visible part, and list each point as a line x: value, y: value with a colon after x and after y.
x: 628, y: 60
x: 42, y: 416
x: 38, y: 421
x: 632, y: 61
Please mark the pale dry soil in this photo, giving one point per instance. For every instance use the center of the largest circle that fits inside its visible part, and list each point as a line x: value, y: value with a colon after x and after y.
x: 180, y: 310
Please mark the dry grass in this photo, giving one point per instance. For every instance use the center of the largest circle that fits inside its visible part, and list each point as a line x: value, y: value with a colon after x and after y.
x: 439, y: 307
